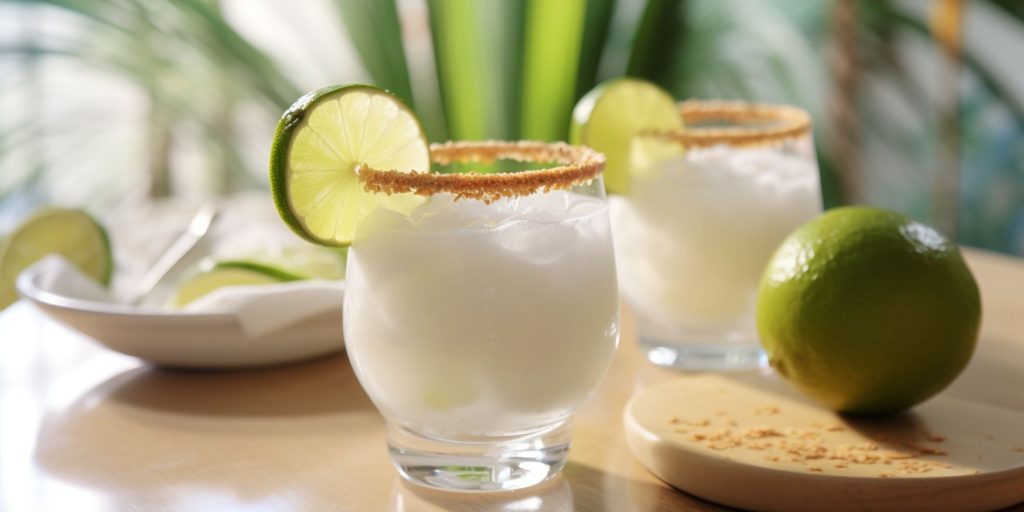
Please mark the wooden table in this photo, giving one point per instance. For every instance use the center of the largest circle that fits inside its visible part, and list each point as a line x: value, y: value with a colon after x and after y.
x: 83, y: 428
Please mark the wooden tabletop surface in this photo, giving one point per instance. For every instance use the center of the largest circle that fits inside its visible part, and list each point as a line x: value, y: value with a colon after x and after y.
x: 83, y: 428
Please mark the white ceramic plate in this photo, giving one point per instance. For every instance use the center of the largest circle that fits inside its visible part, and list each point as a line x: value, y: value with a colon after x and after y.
x: 189, y: 339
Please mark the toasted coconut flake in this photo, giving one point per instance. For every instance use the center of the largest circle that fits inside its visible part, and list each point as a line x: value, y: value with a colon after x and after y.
x: 807, y: 446
x: 576, y: 165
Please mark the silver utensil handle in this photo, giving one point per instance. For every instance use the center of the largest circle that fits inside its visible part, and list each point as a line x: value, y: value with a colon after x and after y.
x: 197, y: 229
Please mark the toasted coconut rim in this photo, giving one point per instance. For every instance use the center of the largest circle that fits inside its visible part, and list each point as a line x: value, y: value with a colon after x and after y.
x: 756, y: 123
x: 576, y: 165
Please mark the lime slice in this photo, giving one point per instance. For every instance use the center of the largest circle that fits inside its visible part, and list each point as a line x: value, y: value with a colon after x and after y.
x: 281, y: 274
x: 271, y: 266
x: 228, y: 274
x: 319, y: 143
x: 304, y: 261
x: 72, y: 234
x: 608, y: 117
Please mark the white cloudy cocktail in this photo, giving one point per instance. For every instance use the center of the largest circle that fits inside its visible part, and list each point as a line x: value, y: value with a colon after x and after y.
x: 469, y: 319
x: 478, y: 321
x: 698, y: 225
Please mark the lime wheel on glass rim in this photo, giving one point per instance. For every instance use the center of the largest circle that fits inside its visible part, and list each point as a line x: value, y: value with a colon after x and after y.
x: 609, y: 117
x: 321, y: 142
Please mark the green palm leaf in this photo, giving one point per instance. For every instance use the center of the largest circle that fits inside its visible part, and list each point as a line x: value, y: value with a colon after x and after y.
x: 595, y: 35
x: 655, y: 41
x: 375, y: 31
x: 552, y: 42
x: 476, y: 51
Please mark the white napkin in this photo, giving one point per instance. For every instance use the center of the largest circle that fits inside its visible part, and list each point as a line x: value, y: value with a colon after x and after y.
x: 268, y: 307
x: 58, y: 277
x: 259, y: 309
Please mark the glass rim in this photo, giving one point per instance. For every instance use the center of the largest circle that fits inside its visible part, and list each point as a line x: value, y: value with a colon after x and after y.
x: 785, y: 122
x: 576, y: 165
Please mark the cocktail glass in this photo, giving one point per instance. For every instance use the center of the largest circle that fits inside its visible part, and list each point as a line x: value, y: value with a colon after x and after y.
x: 480, y: 320
x: 707, y: 207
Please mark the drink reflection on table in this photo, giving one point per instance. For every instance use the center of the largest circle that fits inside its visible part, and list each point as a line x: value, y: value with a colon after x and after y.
x: 555, y: 494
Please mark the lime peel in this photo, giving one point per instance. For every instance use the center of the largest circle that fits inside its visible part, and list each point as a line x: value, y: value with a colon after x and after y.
x: 252, y: 266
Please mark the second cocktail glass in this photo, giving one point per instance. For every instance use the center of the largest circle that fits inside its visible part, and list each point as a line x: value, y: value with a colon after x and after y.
x: 480, y: 320
x: 707, y: 207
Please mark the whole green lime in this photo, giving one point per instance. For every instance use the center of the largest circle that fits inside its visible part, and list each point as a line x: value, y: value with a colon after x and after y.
x: 868, y: 311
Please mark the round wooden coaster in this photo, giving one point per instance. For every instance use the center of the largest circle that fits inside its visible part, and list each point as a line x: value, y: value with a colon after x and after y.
x: 749, y: 441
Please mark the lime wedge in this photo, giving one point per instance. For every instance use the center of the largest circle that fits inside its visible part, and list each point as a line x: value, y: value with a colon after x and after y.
x: 318, y: 146
x: 304, y: 261
x: 72, y: 234
x: 281, y: 274
x: 608, y: 117
x: 270, y: 266
x: 228, y: 274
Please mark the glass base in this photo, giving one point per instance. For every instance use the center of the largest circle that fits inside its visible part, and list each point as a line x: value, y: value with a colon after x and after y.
x: 705, y: 356
x: 731, y: 346
x: 479, y: 464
